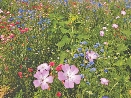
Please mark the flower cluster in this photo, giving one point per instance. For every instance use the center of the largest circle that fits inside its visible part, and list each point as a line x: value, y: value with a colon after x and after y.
x: 66, y: 74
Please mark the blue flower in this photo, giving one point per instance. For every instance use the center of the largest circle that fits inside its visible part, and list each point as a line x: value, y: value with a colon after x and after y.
x: 98, y: 44
x: 82, y: 75
x: 82, y: 65
x: 105, y: 97
x: 11, y: 19
x: 83, y: 43
x: 88, y: 83
x: 20, y: 16
x: 81, y: 54
x: 102, y: 50
x: 95, y: 46
x: 105, y: 70
x: 29, y: 49
x: 76, y: 56
x: 88, y: 65
x: 79, y: 49
x: 92, y: 69
x: 91, y: 63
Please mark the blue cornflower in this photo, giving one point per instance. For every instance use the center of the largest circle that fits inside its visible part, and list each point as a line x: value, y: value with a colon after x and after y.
x: 99, y: 5
x: 105, y: 70
x: 82, y: 76
x: 105, y: 97
x: 95, y: 46
x: 20, y: 16
x: 11, y: 19
x: 76, y: 56
x: 91, y: 63
x: 82, y: 65
x: 81, y: 54
x: 79, y: 49
x: 83, y: 43
x: 88, y: 65
x: 88, y: 83
x: 92, y: 69
x: 102, y: 50
x: 98, y: 44
x: 29, y: 49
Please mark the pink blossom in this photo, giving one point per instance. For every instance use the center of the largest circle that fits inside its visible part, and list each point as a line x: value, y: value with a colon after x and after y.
x: 69, y: 75
x: 123, y: 12
x: 12, y: 36
x: 91, y: 55
x: 104, y: 81
x: 42, y: 79
x: 106, y: 43
x: 101, y: 33
x: 43, y: 67
x: 1, y: 11
x: 115, y: 26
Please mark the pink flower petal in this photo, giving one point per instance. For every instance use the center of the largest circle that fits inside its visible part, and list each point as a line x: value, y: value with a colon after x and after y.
x: 77, y: 79
x: 61, y: 76
x: 38, y: 75
x: 74, y: 70
x: 65, y: 67
x: 49, y: 79
x: 44, y: 86
x: 45, y: 73
x: 36, y: 83
x: 68, y: 84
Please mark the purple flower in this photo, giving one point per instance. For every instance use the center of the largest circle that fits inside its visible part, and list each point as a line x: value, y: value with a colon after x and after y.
x: 91, y: 55
x: 43, y: 67
x: 69, y: 75
x: 42, y: 79
x: 105, y: 97
x: 104, y: 81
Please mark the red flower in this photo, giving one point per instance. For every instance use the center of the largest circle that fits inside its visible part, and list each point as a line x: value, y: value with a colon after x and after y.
x: 52, y: 63
x: 12, y: 36
x: 2, y: 27
x: 58, y: 68
x: 20, y: 74
x: 26, y: 29
x: 58, y: 94
x: 30, y: 69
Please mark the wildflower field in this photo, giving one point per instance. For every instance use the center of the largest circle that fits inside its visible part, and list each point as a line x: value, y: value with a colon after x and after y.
x: 65, y: 48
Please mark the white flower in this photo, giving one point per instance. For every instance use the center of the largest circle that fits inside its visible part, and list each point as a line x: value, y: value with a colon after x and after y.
x: 123, y: 12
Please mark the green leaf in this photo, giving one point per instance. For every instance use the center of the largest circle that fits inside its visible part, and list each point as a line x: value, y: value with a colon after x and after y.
x: 63, y: 55
x: 64, y: 31
x: 127, y: 32
x: 64, y: 40
x: 121, y: 47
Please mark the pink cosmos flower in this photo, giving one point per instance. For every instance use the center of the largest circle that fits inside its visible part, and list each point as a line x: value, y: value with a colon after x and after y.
x: 43, y: 67
x: 42, y: 79
x: 115, y: 26
x: 91, y: 55
x: 123, y: 13
x: 104, y: 81
x: 69, y: 75
x: 101, y: 33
